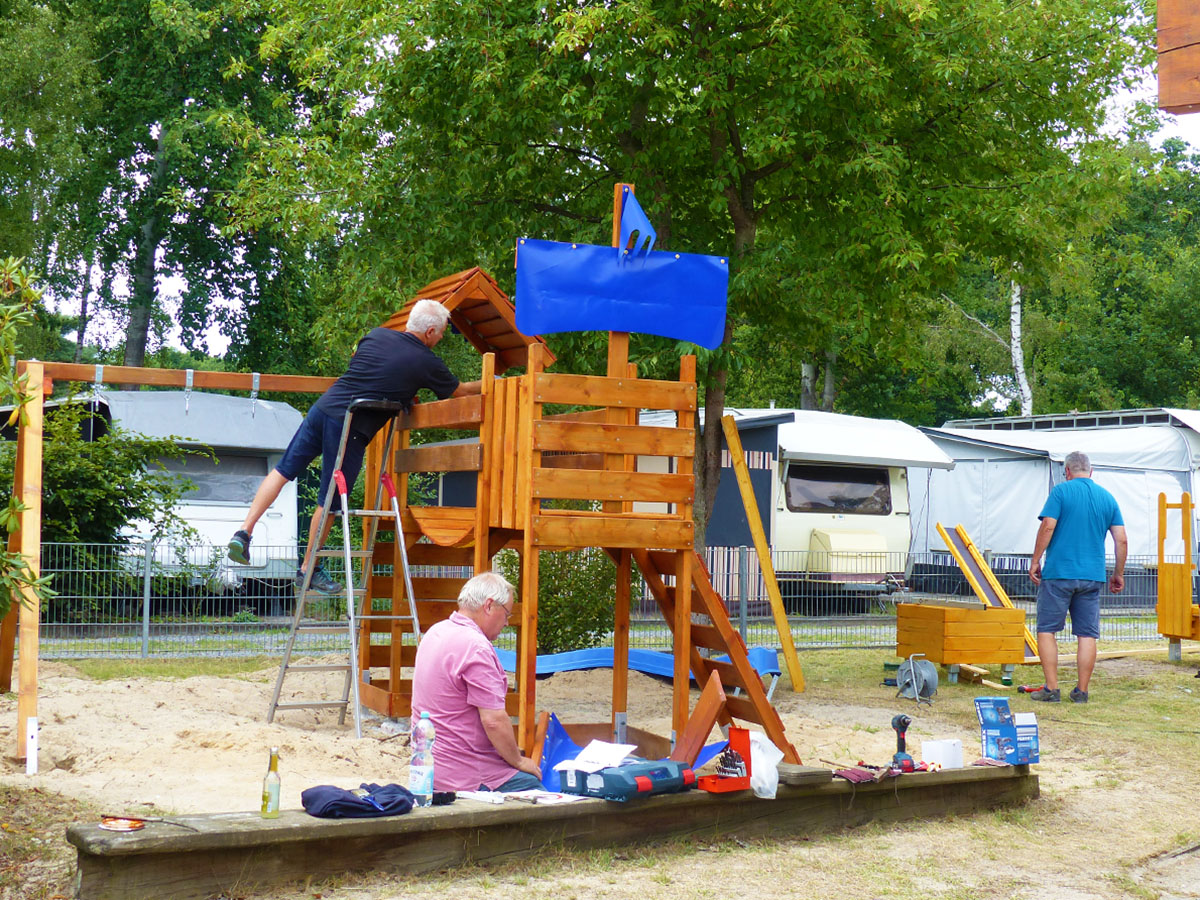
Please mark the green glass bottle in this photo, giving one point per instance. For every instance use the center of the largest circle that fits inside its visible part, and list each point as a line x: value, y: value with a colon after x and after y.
x: 270, y: 798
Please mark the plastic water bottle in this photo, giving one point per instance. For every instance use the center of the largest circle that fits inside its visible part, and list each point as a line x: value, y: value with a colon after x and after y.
x: 420, y: 769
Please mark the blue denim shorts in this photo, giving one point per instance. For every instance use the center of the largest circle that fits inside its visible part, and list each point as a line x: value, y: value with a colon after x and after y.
x: 1058, y: 596
x: 522, y: 781
x: 320, y: 435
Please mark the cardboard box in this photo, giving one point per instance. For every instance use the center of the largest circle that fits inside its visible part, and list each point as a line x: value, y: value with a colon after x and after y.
x: 1004, y: 736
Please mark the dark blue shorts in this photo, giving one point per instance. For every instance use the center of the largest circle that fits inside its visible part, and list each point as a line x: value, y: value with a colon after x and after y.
x: 1058, y: 596
x: 320, y: 435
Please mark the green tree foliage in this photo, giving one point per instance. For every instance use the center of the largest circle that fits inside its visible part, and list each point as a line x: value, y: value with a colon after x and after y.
x: 846, y: 155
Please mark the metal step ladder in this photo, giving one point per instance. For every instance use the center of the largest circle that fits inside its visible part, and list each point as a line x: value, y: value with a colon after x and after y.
x: 337, y: 502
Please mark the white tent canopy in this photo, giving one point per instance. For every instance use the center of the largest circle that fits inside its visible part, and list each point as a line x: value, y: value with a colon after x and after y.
x: 1002, y: 477
x: 833, y: 438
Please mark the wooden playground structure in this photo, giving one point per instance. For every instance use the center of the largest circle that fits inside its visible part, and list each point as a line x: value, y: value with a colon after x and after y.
x: 526, y: 459
x: 1178, y: 614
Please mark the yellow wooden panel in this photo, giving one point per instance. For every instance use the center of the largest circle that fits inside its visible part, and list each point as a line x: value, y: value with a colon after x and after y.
x: 960, y: 629
x: 594, y: 390
x: 605, y: 438
x: 583, y: 484
x: 634, y: 532
x: 956, y: 614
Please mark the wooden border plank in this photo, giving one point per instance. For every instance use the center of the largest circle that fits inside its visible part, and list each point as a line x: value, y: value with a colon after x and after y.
x: 595, y: 390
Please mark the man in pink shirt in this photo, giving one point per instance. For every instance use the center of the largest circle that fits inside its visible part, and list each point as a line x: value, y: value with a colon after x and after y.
x: 459, y: 681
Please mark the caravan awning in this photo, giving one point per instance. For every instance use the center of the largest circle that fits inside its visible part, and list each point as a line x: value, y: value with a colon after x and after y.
x: 1134, y: 447
x: 833, y: 438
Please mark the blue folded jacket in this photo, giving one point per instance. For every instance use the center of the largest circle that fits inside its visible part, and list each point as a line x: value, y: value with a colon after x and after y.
x: 371, y: 801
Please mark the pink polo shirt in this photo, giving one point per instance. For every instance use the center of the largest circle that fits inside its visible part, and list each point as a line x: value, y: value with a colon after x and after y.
x: 457, y: 674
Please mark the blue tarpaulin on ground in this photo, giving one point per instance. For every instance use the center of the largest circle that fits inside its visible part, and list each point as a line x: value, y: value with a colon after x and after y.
x: 765, y: 661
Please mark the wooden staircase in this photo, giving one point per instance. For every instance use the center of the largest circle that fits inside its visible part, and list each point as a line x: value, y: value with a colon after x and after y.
x: 718, y: 637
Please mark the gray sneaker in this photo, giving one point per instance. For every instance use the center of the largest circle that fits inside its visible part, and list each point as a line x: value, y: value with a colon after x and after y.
x: 1045, y: 695
x: 1078, y: 696
x: 239, y: 548
x: 320, y: 582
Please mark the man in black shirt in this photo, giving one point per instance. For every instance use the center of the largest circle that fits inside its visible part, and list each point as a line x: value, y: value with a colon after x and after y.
x: 387, y: 365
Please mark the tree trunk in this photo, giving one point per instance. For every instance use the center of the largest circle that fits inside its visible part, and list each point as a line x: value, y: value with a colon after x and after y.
x: 808, y: 386
x: 1018, y: 354
x: 829, y: 390
x: 707, y: 465
x: 149, y: 236
x: 85, y: 289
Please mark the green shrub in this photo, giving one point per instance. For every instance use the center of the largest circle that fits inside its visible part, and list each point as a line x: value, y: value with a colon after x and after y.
x: 576, y: 596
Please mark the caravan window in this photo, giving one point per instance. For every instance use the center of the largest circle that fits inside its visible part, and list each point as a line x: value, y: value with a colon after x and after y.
x: 230, y: 478
x: 838, y: 489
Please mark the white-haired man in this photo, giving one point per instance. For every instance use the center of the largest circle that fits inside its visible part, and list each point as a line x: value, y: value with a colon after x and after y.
x: 459, y: 681
x: 387, y: 365
x: 1076, y: 518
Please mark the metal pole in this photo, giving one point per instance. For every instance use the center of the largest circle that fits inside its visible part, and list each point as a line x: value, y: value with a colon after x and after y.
x: 743, y: 588
x: 148, y: 561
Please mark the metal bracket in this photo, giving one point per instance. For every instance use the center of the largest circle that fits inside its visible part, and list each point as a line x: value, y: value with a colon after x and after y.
x: 253, y: 394
x: 619, y: 723
x: 187, y: 391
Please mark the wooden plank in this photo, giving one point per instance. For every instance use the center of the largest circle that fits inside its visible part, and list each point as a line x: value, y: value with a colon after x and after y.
x: 240, y: 853
x: 582, y: 484
x: 955, y: 614
x: 445, y: 525
x: 763, y: 550
x: 591, y: 416
x: 581, y: 437
x: 508, y: 492
x: 933, y: 631
x: 481, y: 559
x: 573, y: 460
x: 595, y: 390
x: 1178, y: 24
x: 434, y: 555
x: 201, y: 380
x: 700, y: 724
x: 451, y: 458
x: 593, y: 530
x: 456, y: 412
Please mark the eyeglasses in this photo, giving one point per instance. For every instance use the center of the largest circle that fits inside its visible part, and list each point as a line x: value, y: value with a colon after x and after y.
x: 508, y: 610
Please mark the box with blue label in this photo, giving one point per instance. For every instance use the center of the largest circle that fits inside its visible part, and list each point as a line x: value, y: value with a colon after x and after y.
x: 1005, y: 736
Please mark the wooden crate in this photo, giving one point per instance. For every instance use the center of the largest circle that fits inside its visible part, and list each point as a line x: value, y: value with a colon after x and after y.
x: 949, y: 635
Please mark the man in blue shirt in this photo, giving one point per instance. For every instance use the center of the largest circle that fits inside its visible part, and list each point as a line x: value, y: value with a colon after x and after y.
x: 1075, y: 520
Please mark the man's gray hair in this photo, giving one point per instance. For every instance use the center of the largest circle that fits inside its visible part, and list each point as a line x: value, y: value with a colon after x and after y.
x: 484, y: 587
x: 1077, y: 463
x: 427, y: 314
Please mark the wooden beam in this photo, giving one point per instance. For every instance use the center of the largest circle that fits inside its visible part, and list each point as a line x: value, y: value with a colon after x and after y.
x: 590, y: 484
x: 580, y: 437
x: 8, y: 648
x: 554, y: 531
x: 700, y: 724
x: 201, y: 380
x: 27, y: 478
x: 754, y: 518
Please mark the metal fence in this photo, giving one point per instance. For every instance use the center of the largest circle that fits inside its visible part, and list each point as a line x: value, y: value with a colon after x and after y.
x: 157, y: 599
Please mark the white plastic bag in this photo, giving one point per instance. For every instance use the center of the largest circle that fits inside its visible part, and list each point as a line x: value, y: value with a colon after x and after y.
x: 765, y: 758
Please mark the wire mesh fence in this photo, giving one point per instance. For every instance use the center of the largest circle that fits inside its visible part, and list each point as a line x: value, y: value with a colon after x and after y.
x: 160, y: 599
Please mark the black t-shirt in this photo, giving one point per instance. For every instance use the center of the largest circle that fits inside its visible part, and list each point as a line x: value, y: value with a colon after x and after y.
x: 387, y: 365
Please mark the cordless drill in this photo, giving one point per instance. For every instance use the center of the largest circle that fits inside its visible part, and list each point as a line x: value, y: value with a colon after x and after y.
x: 902, y: 760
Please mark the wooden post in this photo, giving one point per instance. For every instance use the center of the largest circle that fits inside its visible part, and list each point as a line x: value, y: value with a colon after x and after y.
x: 483, y: 482
x: 683, y: 586
x: 754, y: 518
x: 620, y: 670
x: 8, y: 648
x: 528, y: 459
x: 27, y: 484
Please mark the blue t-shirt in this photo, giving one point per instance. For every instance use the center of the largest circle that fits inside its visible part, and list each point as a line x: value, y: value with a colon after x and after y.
x: 1084, y: 512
